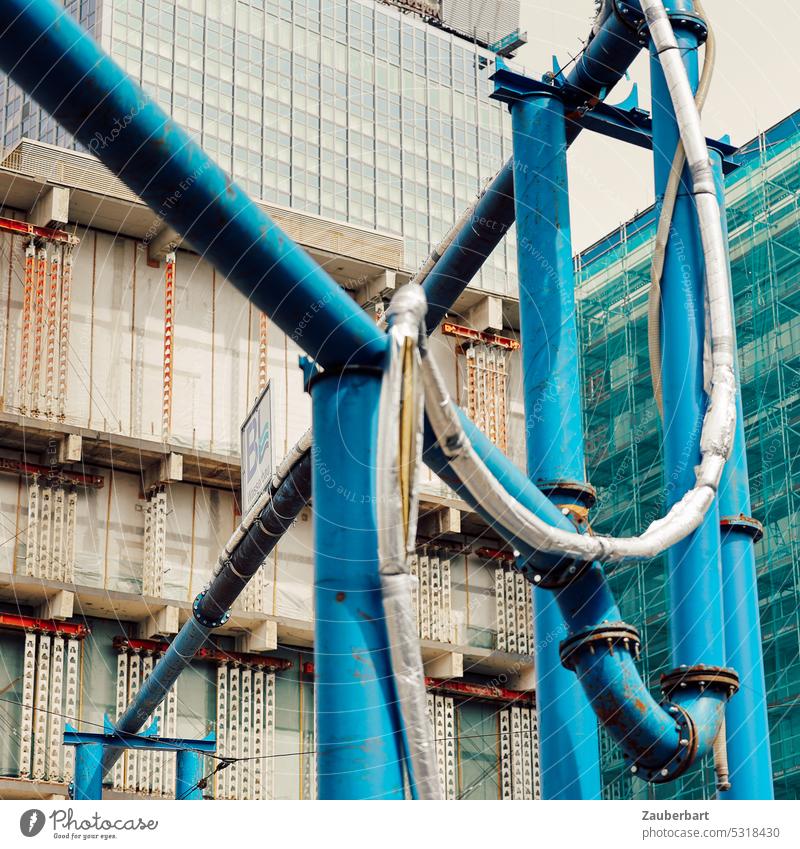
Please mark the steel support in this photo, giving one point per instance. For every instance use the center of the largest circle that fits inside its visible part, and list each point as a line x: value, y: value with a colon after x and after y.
x: 747, y: 724
x: 189, y: 771
x: 359, y: 740
x: 88, y: 780
x: 694, y: 573
x: 569, y: 750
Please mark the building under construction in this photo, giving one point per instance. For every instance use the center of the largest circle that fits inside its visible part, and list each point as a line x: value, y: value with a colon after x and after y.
x: 622, y: 426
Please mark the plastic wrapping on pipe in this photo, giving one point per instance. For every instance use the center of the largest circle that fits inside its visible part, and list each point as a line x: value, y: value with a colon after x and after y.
x: 401, y: 417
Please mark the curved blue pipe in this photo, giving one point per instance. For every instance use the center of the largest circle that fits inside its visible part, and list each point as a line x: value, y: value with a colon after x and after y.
x: 645, y: 730
x: 45, y: 52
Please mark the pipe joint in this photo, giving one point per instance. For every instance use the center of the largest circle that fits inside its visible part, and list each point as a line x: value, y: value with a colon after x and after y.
x: 746, y: 524
x: 701, y: 678
x: 688, y: 22
x: 628, y: 13
x: 607, y: 636
x: 555, y: 576
x: 204, y: 620
x: 684, y: 756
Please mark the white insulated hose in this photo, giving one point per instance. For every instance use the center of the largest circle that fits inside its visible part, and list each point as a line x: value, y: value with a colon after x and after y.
x: 400, y: 422
x: 665, y: 221
x: 716, y: 438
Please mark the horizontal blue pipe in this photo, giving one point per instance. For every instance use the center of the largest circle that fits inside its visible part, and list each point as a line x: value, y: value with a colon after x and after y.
x: 45, y: 52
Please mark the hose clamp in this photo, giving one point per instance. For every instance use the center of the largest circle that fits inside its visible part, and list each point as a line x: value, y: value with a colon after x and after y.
x: 557, y: 576
x: 204, y: 620
x: 720, y: 679
x: 605, y: 637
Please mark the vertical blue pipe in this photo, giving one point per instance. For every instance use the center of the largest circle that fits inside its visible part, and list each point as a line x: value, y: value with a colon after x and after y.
x: 88, y: 781
x: 188, y: 772
x: 569, y: 750
x: 749, y: 757
x: 693, y: 566
x: 359, y: 741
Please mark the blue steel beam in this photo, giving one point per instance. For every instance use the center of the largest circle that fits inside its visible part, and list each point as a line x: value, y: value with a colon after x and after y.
x: 568, y: 742
x: 359, y: 738
x: 747, y: 721
x: 44, y: 51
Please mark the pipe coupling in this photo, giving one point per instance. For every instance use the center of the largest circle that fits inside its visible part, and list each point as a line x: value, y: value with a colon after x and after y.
x: 205, y: 621
x: 720, y: 679
x: 556, y: 575
x: 688, y: 21
x: 607, y: 636
x: 684, y: 756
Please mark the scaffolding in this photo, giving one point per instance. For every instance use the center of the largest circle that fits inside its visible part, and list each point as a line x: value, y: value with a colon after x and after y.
x: 623, y: 439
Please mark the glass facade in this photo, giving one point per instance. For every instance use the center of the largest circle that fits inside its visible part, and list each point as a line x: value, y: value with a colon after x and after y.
x: 623, y: 439
x: 349, y: 110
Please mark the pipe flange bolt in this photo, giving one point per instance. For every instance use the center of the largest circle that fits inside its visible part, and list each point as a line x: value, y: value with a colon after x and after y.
x: 606, y: 637
x: 681, y: 22
x: 204, y: 620
x: 556, y: 577
x: 683, y: 758
x: 718, y: 679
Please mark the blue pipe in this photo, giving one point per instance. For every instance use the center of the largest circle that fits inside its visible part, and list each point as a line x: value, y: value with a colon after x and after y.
x: 188, y: 772
x: 45, y: 52
x: 359, y: 733
x: 693, y: 565
x: 569, y: 748
x: 88, y: 780
x: 747, y: 722
x: 648, y: 733
x: 600, y: 66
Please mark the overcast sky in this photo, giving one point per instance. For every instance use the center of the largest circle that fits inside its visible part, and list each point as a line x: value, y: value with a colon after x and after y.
x: 756, y: 84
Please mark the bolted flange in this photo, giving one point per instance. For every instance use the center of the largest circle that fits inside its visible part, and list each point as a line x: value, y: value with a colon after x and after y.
x: 204, y: 620
x: 720, y: 679
x: 683, y: 757
x: 605, y: 637
x: 688, y: 21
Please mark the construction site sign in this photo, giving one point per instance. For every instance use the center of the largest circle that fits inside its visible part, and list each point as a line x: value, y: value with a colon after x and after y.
x: 257, y: 461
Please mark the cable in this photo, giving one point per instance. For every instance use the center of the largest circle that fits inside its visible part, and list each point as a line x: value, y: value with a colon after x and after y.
x: 203, y: 782
x: 665, y: 221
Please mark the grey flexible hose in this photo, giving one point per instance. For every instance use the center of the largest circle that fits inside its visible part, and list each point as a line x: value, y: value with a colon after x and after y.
x: 665, y: 222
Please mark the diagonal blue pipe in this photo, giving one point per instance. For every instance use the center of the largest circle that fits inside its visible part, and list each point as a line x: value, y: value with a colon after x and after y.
x: 601, y: 65
x: 45, y: 52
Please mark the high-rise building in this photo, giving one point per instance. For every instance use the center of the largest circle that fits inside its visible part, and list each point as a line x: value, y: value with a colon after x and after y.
x: 356, y: 111
x: 127, y: 366
x: 623, y: 426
